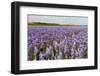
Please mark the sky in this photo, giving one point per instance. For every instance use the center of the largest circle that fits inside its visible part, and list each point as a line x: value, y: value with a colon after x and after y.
x: 77, y: 20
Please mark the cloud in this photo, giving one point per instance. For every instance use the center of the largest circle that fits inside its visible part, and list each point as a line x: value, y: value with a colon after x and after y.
x: 58, y: 19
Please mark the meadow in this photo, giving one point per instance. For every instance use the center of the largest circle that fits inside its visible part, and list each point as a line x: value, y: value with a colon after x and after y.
x: 55, y: 41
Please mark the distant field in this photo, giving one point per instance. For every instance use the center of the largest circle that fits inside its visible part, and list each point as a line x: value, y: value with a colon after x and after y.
x: 49, y: 24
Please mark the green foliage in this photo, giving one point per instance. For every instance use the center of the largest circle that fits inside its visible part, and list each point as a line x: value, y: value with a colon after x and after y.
x: 39, y: 23
x: 31, y: 55
x: 48, y: 24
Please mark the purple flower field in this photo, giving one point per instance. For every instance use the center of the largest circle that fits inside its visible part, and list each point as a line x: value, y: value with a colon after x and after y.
x: 57, y: 42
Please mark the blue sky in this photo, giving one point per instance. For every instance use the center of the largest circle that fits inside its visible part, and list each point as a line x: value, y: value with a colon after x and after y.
x: 58, y: 19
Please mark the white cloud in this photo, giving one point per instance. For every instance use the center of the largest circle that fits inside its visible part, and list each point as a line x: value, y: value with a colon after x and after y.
x: 59, y: 19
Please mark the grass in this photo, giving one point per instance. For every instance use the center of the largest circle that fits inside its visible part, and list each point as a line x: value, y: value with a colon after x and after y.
x: 48, y: 24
